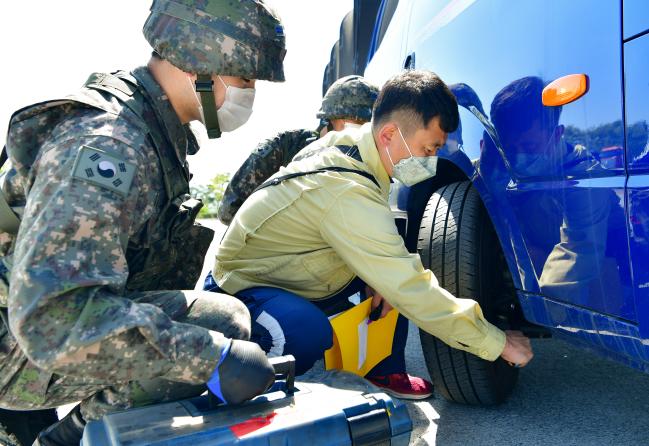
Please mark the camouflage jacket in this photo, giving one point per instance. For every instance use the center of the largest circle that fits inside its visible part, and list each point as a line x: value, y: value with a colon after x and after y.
x: 103, y: 180
x: 263, y: 162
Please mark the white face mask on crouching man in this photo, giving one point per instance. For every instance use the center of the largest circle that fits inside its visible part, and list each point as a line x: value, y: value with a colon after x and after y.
x: 414, y: 169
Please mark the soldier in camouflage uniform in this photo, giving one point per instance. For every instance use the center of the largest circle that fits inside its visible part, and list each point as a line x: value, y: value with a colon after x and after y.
x: 97, y: 232
x: 347, y: 103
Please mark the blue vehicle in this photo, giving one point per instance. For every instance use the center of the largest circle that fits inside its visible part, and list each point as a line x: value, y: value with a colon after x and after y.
x: 540, y: 209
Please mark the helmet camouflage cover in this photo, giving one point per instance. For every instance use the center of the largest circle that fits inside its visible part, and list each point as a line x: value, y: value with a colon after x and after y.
x: 350, y: 97
x: 242, y: 38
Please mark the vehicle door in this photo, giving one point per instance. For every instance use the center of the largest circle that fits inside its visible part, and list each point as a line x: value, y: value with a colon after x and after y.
x: 556, y: 173
x: 636, y: 87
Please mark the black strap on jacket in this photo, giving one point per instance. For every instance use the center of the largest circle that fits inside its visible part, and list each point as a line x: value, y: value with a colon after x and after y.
x: 205, y: 87
x: 351, y: 151
x: 125, y: 87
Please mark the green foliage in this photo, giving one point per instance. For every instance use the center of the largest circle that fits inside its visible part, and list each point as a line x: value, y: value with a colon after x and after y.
x: 211, y: 194
x: 608, y: 135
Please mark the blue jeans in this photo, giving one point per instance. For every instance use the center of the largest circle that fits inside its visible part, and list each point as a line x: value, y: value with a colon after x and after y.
x: 284, y: 323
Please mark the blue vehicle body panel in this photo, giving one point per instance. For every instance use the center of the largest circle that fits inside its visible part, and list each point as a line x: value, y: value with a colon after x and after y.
x: 616, y: 339
x: 374, y: 43
x: 636, y: 17
x: 636, y: 64
x: 553, y: 179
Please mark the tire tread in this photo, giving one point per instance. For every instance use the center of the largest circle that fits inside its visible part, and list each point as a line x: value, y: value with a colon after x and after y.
x: 450, y: 244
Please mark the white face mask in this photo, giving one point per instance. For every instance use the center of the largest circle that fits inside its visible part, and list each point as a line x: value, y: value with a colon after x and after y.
x: 414, y: 169
x: 236, y: 108
x: 352, y: 125
x: 537, y: 163
x: 530, y: 164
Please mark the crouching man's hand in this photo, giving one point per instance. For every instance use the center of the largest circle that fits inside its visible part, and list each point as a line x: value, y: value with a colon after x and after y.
x: 518, y: 349
x: 243, y: 373
x: 378, y: 300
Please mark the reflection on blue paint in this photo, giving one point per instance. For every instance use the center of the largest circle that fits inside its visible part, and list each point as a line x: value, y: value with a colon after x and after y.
x: 617, y: 339
x: 636, y: 70
x: 553, y: 179
x: 636, y: 17
x: 530, y: 157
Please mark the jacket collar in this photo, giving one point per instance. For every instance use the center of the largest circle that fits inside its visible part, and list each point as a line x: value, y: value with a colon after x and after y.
x: 364, y: 139
x: 182, y: 140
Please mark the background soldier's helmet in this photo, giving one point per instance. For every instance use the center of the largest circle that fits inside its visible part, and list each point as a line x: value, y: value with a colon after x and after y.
x: 242, y: 38
x: 350, y: 97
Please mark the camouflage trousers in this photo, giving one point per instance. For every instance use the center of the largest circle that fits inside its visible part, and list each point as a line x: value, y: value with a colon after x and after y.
x: 23, y: 386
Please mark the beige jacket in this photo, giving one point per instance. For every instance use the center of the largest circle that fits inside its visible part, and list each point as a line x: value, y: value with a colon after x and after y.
x: 313, y: 234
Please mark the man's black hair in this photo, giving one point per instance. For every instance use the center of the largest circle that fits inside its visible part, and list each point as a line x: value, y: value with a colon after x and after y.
x: 519, y: 105
x: 419, y: 93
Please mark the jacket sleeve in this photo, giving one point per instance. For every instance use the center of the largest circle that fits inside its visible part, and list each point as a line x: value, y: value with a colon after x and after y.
x: 262, y: 163
x: 68, y: 304
x: 360, y: 228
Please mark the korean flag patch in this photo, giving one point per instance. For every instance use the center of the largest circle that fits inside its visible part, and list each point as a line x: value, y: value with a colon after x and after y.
x: 104, y: 170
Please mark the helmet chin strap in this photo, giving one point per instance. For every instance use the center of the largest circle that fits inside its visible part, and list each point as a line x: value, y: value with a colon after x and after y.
x: 205, y: 86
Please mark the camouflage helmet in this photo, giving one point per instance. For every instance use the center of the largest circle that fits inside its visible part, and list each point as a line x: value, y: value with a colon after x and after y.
x: 242, y: 38
x: 350, y: 97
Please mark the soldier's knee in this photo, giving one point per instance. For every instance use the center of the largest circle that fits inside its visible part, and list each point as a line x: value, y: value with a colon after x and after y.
x: 222, y: 313
x: 241, y: 322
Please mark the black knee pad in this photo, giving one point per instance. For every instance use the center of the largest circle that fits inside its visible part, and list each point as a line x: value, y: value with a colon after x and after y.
x: 220, y: 312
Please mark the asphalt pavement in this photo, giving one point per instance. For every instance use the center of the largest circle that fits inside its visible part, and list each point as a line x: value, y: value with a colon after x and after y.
x: 565, y: 396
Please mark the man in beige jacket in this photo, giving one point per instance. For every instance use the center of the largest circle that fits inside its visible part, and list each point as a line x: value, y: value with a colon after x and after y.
x: 322, y: 226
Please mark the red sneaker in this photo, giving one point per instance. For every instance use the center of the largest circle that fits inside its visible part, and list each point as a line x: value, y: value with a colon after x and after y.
x: 403, y: 386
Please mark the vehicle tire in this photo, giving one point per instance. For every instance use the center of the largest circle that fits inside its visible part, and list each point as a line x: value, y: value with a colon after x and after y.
x: 458, y: 244
x: 25, y: 425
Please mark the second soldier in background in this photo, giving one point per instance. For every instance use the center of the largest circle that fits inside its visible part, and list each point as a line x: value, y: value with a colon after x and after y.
x: 347, y: 103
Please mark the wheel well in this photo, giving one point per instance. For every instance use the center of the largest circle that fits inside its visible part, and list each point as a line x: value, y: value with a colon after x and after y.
x: 418, y: 198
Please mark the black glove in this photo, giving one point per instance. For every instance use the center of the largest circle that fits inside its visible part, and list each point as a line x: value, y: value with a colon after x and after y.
x: 242, y: 374
x: 65, y: 432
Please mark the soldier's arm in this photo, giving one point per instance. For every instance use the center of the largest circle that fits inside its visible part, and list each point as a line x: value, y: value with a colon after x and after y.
x: 262, y: 163
x: 68, y: 305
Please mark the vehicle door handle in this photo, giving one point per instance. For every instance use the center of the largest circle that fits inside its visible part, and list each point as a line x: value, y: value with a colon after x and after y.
x: 409, y: 63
